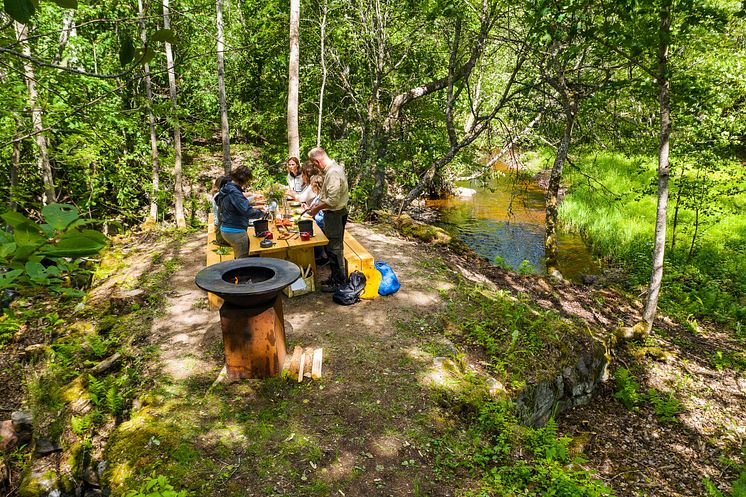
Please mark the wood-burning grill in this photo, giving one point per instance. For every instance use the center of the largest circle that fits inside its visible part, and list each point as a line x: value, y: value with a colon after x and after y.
x: 251, y: 317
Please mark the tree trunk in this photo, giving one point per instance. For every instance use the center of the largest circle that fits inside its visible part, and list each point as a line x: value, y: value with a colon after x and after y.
x: 15, y: 163
x: 178, y: 181
x: 151, y: 121
x: 224, y: 132
x: 293, y: 137
x: 551, y: 248
x: 45, y: 168
x: 676, y: 212
x: 656, y: 275
x: 324, y: 12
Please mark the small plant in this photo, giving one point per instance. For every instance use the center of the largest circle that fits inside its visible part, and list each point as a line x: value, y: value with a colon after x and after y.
x: 666, y: 406
x: 223, y: 250
x: 156, y: 486
x: 525, y: 267
x: 276, y: 193
x: 627, y: 389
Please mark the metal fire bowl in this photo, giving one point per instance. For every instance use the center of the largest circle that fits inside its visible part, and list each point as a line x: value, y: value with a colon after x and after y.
x: 267, y: 278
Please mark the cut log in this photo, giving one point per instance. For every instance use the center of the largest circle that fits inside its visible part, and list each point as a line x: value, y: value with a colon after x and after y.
x: 294, y: 362
x: 301, y: 365
x: 316, y: 366
x: 308, y: 355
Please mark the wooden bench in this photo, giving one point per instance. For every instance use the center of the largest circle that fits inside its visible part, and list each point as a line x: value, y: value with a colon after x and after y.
x: 356, y: 256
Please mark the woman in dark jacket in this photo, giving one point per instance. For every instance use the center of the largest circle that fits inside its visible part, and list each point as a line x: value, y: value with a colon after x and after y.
x: 235, y: 212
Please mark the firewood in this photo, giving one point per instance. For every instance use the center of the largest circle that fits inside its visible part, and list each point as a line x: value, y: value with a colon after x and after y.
x: 316, y: 366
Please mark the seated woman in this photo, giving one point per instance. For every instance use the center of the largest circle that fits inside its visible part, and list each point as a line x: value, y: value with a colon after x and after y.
x: 296, y: 182
x: 235, y: 211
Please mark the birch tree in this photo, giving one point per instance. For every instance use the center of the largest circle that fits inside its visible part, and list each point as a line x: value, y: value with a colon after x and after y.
x: 43, y: 164
x: 293, y: 136
x: 155, y: 179
x: 178, y: 180
x: 224, y: 131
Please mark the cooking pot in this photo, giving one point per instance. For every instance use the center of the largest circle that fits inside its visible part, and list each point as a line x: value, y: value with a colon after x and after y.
x: 305, y: 226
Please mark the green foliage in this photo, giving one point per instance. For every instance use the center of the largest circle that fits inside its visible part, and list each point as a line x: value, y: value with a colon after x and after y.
x: 47, y: 254
x: 156, y: 486
x: 628, y: 390
x: 705, y: 276
x: 666, y: 406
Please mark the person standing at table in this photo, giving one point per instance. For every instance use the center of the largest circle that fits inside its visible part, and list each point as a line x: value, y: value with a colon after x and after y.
x: 333, y: 201
x: 235, y: 211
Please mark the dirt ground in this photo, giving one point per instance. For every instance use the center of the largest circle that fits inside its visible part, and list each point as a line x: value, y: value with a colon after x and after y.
x: 371, y: 425
x: 373, y: 412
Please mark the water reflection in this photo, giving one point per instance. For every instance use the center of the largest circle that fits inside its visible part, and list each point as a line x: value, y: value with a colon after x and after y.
x: 504, y: 220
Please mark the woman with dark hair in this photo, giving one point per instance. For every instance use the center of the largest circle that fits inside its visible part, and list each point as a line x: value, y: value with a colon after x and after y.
x: 235, y: 211
x: 295, y: 177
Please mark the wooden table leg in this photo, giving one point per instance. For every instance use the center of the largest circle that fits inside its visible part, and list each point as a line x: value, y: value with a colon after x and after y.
x: 303, y: 257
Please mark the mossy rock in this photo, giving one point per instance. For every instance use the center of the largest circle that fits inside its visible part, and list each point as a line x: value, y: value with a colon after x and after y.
x: 425, y: 232
x: 38, y: 484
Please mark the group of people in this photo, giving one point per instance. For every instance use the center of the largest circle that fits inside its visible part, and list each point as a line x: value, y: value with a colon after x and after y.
x: 319, y: 183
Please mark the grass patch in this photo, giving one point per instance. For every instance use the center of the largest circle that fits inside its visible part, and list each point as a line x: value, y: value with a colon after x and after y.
x: 615, y: 211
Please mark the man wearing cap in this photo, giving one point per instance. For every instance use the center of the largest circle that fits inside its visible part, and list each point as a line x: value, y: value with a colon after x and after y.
x: 333, y: 201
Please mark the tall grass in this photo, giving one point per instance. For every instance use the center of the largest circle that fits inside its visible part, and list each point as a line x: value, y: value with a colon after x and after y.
x: 612, y: 203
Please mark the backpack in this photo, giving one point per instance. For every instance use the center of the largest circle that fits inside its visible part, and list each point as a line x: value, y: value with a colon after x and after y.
x: 350, y: 292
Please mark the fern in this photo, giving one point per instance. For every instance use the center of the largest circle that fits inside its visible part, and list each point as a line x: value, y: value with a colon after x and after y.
x: 97, y: 389
x: 666, y: 407
x: 81, y: 425
x: 627, y: 389
x: 114, y: 401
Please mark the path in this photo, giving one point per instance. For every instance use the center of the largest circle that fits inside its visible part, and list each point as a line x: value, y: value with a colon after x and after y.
x: 356, y: 432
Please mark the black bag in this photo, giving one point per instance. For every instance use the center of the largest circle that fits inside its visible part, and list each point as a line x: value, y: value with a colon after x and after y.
x: 350, y: 292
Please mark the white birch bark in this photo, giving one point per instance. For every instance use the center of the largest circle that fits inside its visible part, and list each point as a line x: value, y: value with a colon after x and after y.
x: 293, y: 137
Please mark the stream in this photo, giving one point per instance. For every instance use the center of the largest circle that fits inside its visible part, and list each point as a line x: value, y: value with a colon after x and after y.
x: 504, y: 222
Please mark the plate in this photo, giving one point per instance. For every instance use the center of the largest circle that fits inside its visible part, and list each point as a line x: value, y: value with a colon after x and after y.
x: 294, y: 204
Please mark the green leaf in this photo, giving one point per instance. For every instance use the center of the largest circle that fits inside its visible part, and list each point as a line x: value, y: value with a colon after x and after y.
x: 67, y: 4
x: 77, y: 244
x: 60, y: 215
x: 28, y: 236
x: 7, y: 278
x: 20, y: 10
x: 16, y: 219
x: 126, y: 50
x: 36, y: 271
x: 164, y: 35
x: 7, y: 249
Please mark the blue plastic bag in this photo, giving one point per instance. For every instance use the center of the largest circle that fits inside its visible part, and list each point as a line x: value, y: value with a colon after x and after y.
x: 389, y: 282
x: 319, y: 218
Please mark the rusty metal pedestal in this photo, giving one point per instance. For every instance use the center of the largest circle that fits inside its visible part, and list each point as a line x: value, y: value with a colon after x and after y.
x: 254, y: 339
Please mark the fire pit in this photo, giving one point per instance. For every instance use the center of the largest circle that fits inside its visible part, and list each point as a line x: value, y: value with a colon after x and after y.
x: 251, y: 317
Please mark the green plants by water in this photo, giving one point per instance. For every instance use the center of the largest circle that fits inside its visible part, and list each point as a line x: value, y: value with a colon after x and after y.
x: 705, y: 267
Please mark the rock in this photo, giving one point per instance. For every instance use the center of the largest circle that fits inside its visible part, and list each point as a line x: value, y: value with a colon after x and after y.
x: 23, y: 422
x: 93, y: 492
x: 33, y: 351
x: 555, y: 275
x: 8, y: 436
x: 573, y: 386
x: 40, y: 484
x: 44, y: 447
x: 464, y: 192
x: 590, y: 279
x: 91, y: 477
x: 496, y: 388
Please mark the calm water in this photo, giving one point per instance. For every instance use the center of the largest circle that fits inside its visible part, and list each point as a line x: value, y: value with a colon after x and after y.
x: 505, y: 219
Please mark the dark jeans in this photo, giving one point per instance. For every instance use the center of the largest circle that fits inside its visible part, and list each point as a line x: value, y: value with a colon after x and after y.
x: 334, y: 229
